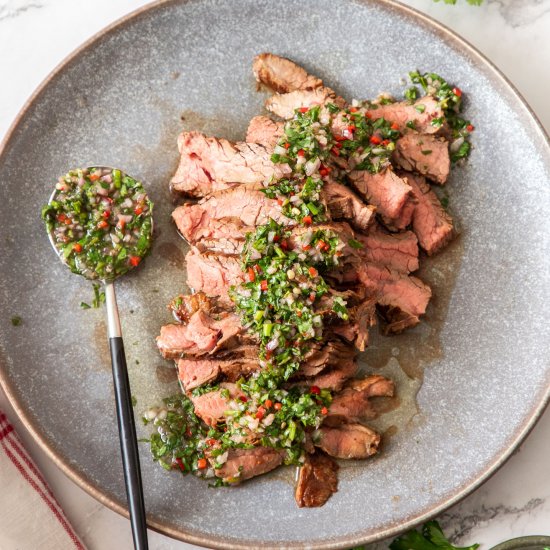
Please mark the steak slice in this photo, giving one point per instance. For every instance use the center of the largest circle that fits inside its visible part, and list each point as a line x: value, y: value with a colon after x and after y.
x: 242, y: 205
x: 353, y: 402
x: 193, y: 373
x: 345, y: 204
x: 263, y: 130
x: 431, y: 223
x: 200, y: 336
x: 361, y: 318
x: 213, y: 274
x: 334, y: 378
x: 211, y: 407
x: 397, y: 251
x: 385, y: 190
x: 320, y: 357
x: 284, y: 105
x: 209, y: 164
x: 317, y: 480
x: 348, y: 441
x: 282, y: 75
x: 424, y: 153
x: 185, y: 305
x: 242, y: 464
x: 401, y: 298
x: 422, y: 112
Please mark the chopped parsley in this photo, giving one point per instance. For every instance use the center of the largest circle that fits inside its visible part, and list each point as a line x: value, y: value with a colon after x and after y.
x: 431, y: 538
x: 16, y: 320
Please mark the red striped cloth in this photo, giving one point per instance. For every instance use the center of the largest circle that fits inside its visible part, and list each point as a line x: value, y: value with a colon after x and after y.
x: 31, y: 517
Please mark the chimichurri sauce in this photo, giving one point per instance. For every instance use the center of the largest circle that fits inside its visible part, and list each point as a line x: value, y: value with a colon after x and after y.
x: 100, y: 221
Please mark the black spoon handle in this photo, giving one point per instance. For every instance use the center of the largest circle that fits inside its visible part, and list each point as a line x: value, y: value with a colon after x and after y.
x: 126, y: 425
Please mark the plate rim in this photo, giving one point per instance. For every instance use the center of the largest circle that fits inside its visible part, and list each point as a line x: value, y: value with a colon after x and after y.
x: 450, y: 37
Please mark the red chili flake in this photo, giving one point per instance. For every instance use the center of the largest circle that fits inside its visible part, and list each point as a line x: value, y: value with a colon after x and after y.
x: 323, y: 172
x: 375, y: 140
x: 77, y: 247
x: 457, y: 92
x: 211, y: 441
x: 306, y: 247
x: 339, y: 145
x: 313, y: 272
x: 353, y: 109
x: 322, y: 245
x: 278, y: 406
x: 251, y: 275
x: 106, y: 214
x: 340, y: 138
x: 385, y: 142
x: 138, y: 210
x: 303, y: 109
x: 312, y: 296
x: 298, y: 313
x: 201, y: 463
x: 286, y: 145
x: 324, y: 410
x: 315, y: 390
x: 258, y: 268
x: 102, y: 224
x: 394, y: 126
x: 335, y: 151
x: 268, y: 403
x: 263, y: 285
x: 470, y: 128
x: 280, y: 202
x: 61, y: 217
x: 134, y: 260
x: 268, y: 354
x: 243, y: 398
x: 284, y: 244
x: 276, y: 238
x: 94, y: 177
x: 301, y: 153
x: 260, y: 413
x: 307, y: 220
x: 180, y: 464
x: 368, y: 114
x: 351, y: 128
x: 121, y: 224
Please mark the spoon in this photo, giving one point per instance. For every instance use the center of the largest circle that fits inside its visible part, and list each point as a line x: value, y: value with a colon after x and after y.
x: 123, y: 399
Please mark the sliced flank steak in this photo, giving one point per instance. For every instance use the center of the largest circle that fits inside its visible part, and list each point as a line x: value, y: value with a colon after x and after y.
x: 317, y: 480
x: 397, y: 251
x: 282, y: 75
x: 431, y: 223
x: 426, y: 154
x: 209, y: 164
x: 348, y: 441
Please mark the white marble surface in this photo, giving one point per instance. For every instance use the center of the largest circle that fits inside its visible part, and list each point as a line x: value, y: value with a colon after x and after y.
x: 35, y: 35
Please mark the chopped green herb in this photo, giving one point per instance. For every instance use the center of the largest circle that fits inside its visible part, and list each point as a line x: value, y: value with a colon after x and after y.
x: 84, y: 305
x: 355, y: 244
x: 431, y: 538
x: 427, y: 152
x: 16, y: 320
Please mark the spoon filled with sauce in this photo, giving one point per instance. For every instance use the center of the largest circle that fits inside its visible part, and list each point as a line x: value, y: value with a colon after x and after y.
x: 100, y: 223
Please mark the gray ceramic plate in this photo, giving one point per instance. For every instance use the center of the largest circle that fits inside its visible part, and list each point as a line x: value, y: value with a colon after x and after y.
x: 482, y: 351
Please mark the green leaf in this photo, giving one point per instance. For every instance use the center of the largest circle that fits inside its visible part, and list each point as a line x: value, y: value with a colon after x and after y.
x: 432, y: 538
